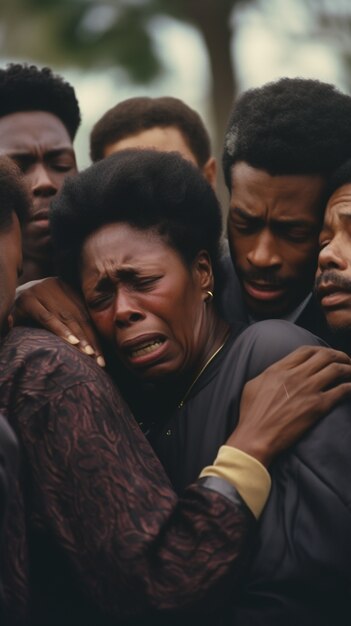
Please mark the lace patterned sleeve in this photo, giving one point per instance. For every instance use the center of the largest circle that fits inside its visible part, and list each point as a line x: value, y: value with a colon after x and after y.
x: 100, y: 495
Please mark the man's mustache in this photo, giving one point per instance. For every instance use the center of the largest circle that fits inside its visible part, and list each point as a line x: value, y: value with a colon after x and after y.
x: 263, y: 275
x: 335, y: 278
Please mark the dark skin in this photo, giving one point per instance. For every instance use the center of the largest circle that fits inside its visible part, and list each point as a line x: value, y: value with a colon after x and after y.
x: 148, y: 306
x: 40, y: 145
x: 333, y: 281
x: 273, y: 228
x: 277, y: 407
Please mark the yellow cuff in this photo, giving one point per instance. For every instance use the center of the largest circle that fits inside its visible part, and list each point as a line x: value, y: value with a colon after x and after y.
x: 245, y: 473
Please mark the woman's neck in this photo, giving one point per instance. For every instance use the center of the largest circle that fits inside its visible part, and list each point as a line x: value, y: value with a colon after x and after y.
x: 214, y: 335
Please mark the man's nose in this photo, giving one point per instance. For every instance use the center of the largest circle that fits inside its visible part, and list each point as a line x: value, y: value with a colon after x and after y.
x: 331, y: 256
x: 41, y: 182
x: 264, y: 252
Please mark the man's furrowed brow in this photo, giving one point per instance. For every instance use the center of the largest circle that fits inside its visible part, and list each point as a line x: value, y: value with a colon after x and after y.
x: 243, y: 214
x: 346, y: 215
x: 57, y: 152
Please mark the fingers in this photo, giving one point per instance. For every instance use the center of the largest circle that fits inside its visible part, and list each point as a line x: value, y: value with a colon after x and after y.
x: 335, y: 395
x: 76, y: 331
x: 299, y: 356
x: 56, y: 307
x: 324, y: 357
x: 312, y: 358
x: 83, y: 332
x: 308, y: 361
x: 330, y: 375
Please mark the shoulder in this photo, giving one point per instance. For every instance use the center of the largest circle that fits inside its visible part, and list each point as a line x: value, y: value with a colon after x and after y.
x: 40, y: 372
x: 262, y: 344
x: 33, y: 354
x: 276, y: 330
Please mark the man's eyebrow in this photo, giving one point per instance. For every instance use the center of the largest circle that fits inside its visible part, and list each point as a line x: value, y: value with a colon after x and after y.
x: 59, y: 152
x: 282, y: 222
x: 244, y: 214
x: 19, y: 154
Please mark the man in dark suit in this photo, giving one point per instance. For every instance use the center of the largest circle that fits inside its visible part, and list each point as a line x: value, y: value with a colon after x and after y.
x: 282, y: 142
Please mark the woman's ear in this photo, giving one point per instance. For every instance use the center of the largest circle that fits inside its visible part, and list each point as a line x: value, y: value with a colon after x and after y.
x: 203, y: 274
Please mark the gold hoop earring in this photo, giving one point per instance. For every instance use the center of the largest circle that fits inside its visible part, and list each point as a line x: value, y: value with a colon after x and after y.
x: 210, y: 296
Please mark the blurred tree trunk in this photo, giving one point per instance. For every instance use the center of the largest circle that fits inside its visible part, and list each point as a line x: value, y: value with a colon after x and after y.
x: 214, y: 23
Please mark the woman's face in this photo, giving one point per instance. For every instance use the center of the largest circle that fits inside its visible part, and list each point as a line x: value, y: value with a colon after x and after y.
x: 144, y: 300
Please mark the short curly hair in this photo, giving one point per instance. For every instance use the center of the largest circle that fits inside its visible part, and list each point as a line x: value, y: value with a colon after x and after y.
x: 290, y: 126
x: 340, y: 177
x: 146, y: 189
x: 142, y: 113
x: 25, y: 87
x: 14, y: 195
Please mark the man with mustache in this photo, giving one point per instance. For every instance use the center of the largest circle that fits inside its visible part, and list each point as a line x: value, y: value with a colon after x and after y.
x: 333, y: 280
x: 39, y: 117
x: 282, y: 142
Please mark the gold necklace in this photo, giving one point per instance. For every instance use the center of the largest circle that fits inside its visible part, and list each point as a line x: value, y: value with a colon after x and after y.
x: 202, y: 370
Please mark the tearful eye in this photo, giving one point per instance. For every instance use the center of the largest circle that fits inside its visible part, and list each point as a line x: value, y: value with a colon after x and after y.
x: 144, y: 284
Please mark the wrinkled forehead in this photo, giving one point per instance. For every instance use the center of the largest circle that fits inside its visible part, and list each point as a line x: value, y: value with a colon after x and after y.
x: 22, y: 129
x: 338, y: 207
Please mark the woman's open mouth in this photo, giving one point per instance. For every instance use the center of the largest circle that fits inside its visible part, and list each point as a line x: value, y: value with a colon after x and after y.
x: 146, y: 348
x: 143, y: 350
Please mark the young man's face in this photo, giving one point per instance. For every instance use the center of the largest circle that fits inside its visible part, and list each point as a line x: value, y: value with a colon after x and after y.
x: 273, y: 228
x: 40, y: 145
x: 10, y: 268
x: 333, y: 281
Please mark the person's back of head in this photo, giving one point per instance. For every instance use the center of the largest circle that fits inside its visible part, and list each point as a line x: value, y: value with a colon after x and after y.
x: 135, y: 115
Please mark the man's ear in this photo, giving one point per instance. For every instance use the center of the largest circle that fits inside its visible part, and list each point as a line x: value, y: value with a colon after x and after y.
x: 209, y: 170
x: 203, y: 274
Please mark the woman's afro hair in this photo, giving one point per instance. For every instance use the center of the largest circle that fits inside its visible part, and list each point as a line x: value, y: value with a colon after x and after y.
x: 146, y: 189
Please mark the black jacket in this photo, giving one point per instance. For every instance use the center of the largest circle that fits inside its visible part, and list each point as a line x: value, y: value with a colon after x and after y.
x: 301, y: 570
x: 233, y: 309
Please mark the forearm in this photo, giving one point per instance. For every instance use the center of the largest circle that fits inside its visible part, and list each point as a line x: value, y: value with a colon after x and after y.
x: 133, y: 544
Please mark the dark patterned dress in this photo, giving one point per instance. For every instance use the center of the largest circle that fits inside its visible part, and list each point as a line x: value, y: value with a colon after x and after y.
x: 8, y: 469
x: 96, y: 535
